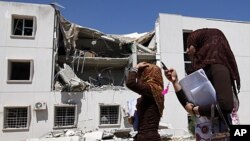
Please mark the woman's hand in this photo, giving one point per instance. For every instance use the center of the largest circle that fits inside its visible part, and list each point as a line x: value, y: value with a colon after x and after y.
x: 189, y: 108
x: 141, y: 65
x: 171, y: 75
x: 192, y: 109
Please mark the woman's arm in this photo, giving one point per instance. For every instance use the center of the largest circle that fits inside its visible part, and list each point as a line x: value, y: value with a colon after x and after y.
x: 135, y: 84
x: 172, y: 76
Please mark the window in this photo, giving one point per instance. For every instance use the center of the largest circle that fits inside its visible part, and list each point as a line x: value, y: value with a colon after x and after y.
x: 16, y: 117
x: 109, y: 114
x: 23, y: 26
x: 20, y: 71
x: 187, y: 60
x: 188, y: 66
x: 65, y: 116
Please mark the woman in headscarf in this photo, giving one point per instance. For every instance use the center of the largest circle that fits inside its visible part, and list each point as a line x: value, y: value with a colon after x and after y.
x: 146, y: 80
x: 209, y: 49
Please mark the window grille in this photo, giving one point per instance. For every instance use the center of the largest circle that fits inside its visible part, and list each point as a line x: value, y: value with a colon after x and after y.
x: 65, y: 116
x: 109, y: 114
x: 16, y: 117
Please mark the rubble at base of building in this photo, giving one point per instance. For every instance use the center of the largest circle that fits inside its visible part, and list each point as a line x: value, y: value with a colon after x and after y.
x: 125, y: 134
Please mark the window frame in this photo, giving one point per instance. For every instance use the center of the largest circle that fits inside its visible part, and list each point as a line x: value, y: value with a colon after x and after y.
x: 118, y: 118
x: 23, y: 17
x: 28, y: 118
x: 75, y: 116
x: 187, y: 61
x: 9, y: 71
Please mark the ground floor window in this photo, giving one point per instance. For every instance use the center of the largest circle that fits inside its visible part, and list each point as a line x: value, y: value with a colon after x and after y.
x: 16, y: 117
x: 65, y: 116
x: 109, y: 115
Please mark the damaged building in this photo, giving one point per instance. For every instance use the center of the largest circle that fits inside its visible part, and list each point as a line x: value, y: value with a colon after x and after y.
x: 63, y: 81
x: 82, y: 49
x: 60, y: 75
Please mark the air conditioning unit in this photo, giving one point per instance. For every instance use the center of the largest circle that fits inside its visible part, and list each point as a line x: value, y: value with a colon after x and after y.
x: 40, y: 106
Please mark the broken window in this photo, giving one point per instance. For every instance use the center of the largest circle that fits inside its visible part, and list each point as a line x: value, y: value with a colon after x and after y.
x: 109, y: 114
x: 16, y: 117
x: 23, y: 26
x: 20, y: 70
x: 65, y: 116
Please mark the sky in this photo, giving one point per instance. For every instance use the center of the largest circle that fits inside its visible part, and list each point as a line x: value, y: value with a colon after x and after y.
x: 129, y: 16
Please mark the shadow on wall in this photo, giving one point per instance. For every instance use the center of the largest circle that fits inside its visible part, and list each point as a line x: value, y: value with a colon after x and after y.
x: 41, y: 115
x: 73, y: 98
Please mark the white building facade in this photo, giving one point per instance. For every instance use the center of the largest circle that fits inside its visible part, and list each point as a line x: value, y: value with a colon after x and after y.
x: 31, y: 107
x: 172, y: 32
x: 26, y: 45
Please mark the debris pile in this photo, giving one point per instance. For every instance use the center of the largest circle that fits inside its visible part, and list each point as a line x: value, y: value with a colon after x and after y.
x: 126, y: 134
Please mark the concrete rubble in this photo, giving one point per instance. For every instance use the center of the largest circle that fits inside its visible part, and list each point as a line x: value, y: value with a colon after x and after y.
x: 125, y: 134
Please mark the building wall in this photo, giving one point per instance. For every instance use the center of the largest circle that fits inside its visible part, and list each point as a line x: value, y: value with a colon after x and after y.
x: 42, y: 121
x: 171, y: 46
x: 39, y: 49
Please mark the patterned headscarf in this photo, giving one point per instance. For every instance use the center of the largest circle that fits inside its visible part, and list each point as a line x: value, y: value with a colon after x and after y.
x: 153, y: 76
x: 212, y: 47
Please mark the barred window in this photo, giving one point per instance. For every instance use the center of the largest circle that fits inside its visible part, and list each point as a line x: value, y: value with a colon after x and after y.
x: 109, y: 114
x: 65, y: 116
x: 16, y: 117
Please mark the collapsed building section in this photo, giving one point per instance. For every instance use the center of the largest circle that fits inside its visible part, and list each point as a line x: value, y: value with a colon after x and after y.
x: 87, y: 58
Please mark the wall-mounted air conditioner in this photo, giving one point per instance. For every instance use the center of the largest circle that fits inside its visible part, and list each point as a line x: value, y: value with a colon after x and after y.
x: 40, y: 106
